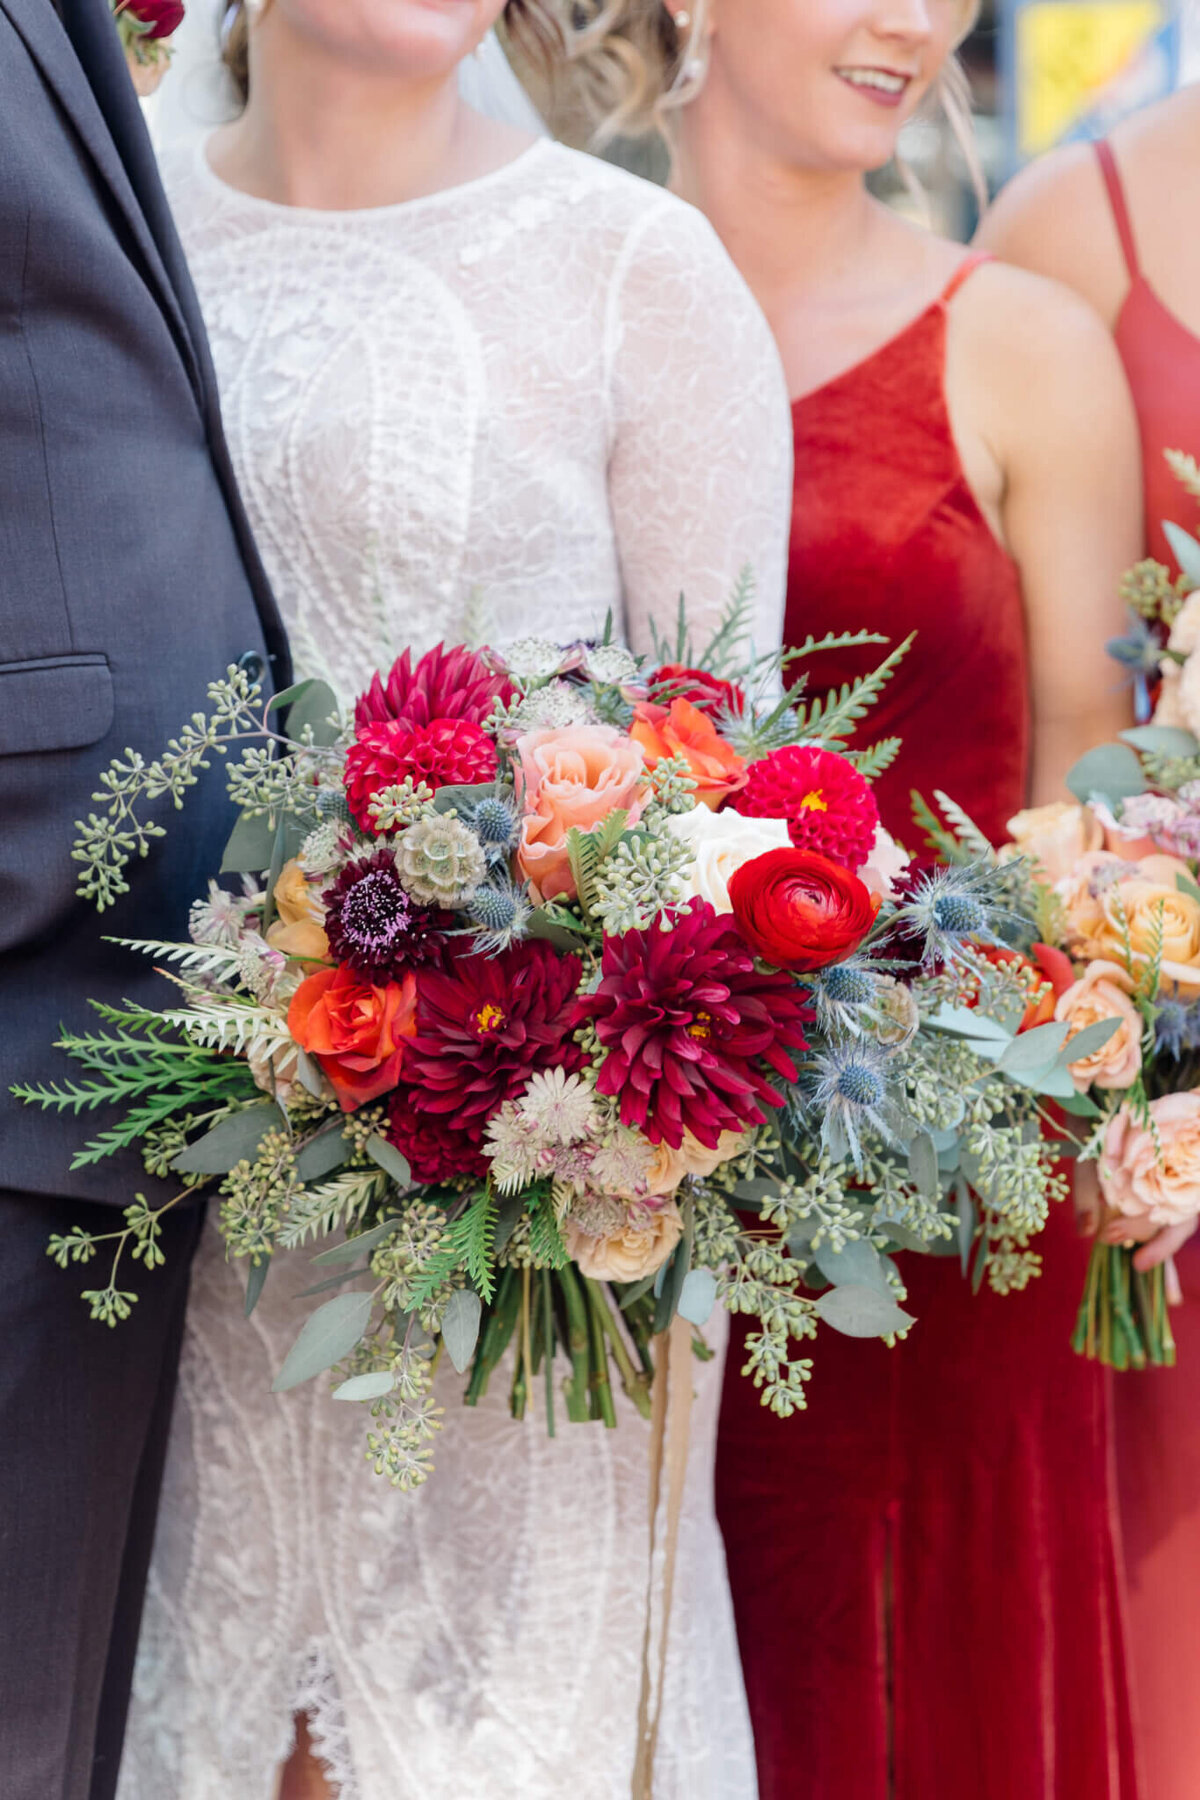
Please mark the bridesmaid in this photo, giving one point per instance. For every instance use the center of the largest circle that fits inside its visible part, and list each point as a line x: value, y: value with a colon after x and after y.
x: 1116, y: 221
x: 923, y: 1565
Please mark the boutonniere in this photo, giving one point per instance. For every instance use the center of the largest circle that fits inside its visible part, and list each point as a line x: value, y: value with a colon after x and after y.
x: 146, y: 28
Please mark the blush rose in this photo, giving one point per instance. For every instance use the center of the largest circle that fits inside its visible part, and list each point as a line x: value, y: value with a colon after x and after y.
x: 1154, y: 1183
x: 1103, y: 992
x: 573, y: 776
x: 638, y: 1249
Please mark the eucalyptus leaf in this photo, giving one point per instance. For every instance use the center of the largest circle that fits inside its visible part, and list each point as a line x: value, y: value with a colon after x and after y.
x: 312, y: 1077
x: 923, y: 1164
x: 322, y: 1155
x: 1087, y: 1041
x: 1034, y: 1050
x: 326, y: 1336
x: 251, y: 842
x: 903, y: 1237
x: 541, y: 925
x: 1110, y: 771
x: 856, y: 1264
x: 316, y: 706
x: 289, y: 695
x: 969, y: 1022
x: 360, y: 1245
x: 508, y: 1215
x: 1162, y: 740
x: 333, y: 1281
x: 1185, y: 885
x: 1055, y: 1083
x: 460, y: 1326
x: 1083, y: 1105
x: 698, y: 1296
x: 231, y: 1141
x: 1185, y: 549
x: 255, y: 1282
x: 463, y: 794
x: 371, y: 1386
x: 965, y: 1230
x: 389, y: 1160
x: 861, y: 1312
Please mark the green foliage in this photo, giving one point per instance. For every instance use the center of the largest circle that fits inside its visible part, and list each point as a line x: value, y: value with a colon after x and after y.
x: 871, y: 763
x: 468, y: 1244
x: 832, y: 718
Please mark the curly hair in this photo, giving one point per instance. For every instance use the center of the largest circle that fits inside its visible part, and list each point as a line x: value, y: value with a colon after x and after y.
x: 620, y: 63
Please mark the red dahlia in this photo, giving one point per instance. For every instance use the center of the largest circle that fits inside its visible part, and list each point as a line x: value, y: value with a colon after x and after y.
x: 484, y: 1025
x: 445, y: 684
x: 828, y: 805
x: 441, y: 754
x: 687, y: 1022
x: 435, y: 1147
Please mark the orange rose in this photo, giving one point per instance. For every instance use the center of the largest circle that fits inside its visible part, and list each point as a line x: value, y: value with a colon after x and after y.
x: 355, y: 1031
x: 1103, y: 993
x: 714, y: 765
x: 298, y: 930
x: 574, y: 776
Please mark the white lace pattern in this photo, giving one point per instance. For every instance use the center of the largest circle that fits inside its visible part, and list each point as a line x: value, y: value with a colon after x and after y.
x: 549, y: 394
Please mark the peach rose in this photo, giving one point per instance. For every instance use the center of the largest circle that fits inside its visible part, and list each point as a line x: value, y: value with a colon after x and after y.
x: 692, y: 1158
x: 1179, y: 696
x: 573, y: 776
x: 298, y: 930
x: 1082, y: 894
x: 638, y: 1249
x: 1054, y: 837
x: 663, y: 731
x: 1103, y: 993
x: 1144, y: 904
x: 1149, y: 1183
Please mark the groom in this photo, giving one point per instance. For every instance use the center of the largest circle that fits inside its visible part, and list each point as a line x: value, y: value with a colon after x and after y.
x: 128, y: 580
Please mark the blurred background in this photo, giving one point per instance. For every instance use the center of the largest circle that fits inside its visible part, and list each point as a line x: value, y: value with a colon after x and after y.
x: 1042, y: 72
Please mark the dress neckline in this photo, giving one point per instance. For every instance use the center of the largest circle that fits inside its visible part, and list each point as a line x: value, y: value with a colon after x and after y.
x: 333, y: 216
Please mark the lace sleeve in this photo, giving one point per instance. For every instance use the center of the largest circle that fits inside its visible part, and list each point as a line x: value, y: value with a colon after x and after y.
x: 701, y: 464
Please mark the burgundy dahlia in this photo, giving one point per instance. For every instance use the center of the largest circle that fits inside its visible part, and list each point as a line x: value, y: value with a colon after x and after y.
x: 444, y: 684
x: 441, y: 754
x: 375, y: 926
x: 485, y: 1024
x: 687, y: 1023
x: 436, y: 1148
x: 828, y: 805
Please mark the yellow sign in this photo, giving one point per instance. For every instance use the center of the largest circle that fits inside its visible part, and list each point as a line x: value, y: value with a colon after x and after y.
x: 1068, y: 52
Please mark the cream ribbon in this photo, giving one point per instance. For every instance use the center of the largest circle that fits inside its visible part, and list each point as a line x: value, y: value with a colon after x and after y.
x: 670, y: 1424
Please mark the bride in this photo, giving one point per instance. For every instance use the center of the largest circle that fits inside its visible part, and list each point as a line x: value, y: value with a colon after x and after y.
x: 463, y: 371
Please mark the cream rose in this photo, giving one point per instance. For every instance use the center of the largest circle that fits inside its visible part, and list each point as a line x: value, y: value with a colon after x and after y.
x: 1054, y: 837
x: 1179, y: 696
x: 1148, y: 1182
x: 1103, y: 993
x: 722, y: 842
x: 692, y: 1158
x: 574, y: 776
x: 638, y: 1249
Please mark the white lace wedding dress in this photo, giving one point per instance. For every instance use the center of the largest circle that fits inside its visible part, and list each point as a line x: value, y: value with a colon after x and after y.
x: 546, y: 394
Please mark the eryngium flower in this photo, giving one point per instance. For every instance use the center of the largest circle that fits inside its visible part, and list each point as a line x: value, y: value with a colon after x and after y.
x: 941, y: 910
x: 688, y: 1024
x: 444, y: 684
x: 375, y: 926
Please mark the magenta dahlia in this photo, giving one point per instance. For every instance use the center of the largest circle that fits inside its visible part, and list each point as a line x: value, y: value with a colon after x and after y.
x: 485, y: 1024
x: 444, y: 684
x: 374, y: 925
x: 687, y: 1023
x: 828, y: 805
x: 436, y: 1148
x: 441, y: 754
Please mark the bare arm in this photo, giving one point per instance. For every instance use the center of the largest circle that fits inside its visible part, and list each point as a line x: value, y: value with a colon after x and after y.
x: 1047, y: 382
x: 1054, y: 218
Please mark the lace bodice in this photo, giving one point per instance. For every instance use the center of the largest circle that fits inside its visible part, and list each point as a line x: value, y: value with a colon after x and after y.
x: 498, y: 410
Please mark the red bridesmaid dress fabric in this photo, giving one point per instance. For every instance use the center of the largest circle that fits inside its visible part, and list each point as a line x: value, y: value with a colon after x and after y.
x: 1157, y: 1412
x: 923, y: 1563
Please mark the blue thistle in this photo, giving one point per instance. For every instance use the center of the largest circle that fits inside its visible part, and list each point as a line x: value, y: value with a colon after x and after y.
x: 943, y: 909
x: 500, y: 912
x: 848, y: 1090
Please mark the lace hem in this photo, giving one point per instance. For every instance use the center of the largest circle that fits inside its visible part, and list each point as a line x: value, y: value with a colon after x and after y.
x: 315, y: 1692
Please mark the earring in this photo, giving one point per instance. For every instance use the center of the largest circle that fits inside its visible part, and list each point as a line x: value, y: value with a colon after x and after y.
x: 681, y: 20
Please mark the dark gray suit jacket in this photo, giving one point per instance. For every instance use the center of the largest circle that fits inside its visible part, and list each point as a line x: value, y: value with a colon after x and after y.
x: 128, y: 577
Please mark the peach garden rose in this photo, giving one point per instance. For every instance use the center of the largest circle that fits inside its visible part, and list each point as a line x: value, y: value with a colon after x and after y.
x: 1154, y: 1183
x: 638, y: 1249
x: 1103, y: 992
x: 572, y: 776
x: 682, y: 729
x: 298, y: 931
x: 1054, y: 837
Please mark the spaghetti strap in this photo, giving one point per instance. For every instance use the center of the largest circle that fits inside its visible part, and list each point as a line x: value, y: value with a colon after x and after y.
x: 1120, y: 211
x: 966, y: 267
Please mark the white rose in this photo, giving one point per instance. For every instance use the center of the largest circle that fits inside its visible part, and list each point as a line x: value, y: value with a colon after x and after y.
x: 722, y: 842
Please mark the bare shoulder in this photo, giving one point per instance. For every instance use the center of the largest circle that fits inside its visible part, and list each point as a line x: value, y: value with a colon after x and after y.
x: 1035, y: 355
x: 1055, y: 218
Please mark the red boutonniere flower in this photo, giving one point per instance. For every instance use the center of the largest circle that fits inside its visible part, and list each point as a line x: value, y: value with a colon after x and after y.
x: 800, y: 911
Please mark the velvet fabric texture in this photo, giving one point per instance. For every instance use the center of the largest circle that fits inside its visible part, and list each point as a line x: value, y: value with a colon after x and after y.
x: 1157, y: 1412
x: 923, y: 1564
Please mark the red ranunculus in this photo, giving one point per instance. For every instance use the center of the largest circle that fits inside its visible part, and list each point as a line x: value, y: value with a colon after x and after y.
x: 161, y: 16
x: 356, y: 1032
x: 444, y: 753
x: 697, y: 685
x: 799, y: 910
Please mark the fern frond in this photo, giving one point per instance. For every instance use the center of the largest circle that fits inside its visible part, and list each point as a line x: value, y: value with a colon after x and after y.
x: 1185, y: 469
x: 193, y: 959
x: 832, y: 640
x: 965, y: 829
x: 872, y: 763
x: 937, y: 836
x: 834, y: 716
x: 723, y: 653
x: 239, y: 1026
x: 545, y: 1240
x: 316, y: 1211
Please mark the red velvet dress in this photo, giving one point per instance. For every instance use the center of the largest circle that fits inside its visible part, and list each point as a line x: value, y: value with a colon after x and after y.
x: 1158, y: 1412
x: 923, y: 1563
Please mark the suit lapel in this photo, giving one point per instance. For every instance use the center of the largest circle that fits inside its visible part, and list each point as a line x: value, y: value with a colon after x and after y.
x: 51, y: 49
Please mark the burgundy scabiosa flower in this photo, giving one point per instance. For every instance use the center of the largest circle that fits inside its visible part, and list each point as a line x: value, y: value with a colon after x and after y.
x: 828, y: 805
x: 687, y: 1023
x: 443, y: 753
x: 443, y: 684
x: 374, y: 926
x: 484, y: 1025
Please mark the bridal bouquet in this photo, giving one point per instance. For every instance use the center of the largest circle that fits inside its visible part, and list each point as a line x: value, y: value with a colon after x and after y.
x: 564, y: 996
